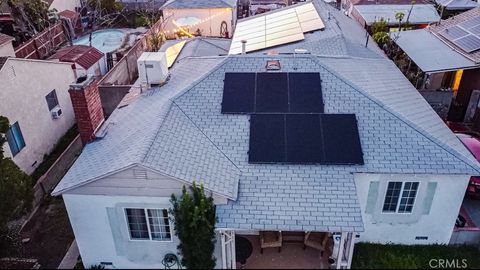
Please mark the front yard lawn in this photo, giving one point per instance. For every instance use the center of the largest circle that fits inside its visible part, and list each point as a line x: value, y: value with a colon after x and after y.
x: 375, y: 256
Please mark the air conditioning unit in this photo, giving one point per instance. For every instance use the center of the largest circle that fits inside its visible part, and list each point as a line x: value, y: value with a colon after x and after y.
x: 56, y: 112
x: 152, y: 68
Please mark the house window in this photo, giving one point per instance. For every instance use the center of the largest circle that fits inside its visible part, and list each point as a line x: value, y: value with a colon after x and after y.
x: 400, y: 197
x: 148, y: 224
x: 52, y: 100
x: 15, y: 139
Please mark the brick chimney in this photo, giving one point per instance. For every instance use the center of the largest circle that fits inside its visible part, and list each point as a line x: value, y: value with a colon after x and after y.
x: 87, y: 107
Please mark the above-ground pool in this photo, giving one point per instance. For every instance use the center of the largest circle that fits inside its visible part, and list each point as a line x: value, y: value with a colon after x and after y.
x: 104, y: 40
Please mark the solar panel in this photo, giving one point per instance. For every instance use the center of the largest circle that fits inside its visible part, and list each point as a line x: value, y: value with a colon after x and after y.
x: 475, y: 30
x: 468, y: 43
x: 341, y: 139
x: 173, y: 51
x: 453, y: 32
x: 470, y: 23
x: 267, y: 138
x: 305, y: 93
x: 304, y: 138
x: 271, y: 92
x: 275, y: 28
x: 238, y: 93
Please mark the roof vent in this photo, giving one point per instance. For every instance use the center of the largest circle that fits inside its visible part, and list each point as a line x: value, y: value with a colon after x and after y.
x: 301, y: 51
x: 273, y: 65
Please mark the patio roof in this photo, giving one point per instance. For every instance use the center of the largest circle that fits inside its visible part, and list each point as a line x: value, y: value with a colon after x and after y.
x: 420, y: 14
x: 429, y: 53
x: 82, y: 55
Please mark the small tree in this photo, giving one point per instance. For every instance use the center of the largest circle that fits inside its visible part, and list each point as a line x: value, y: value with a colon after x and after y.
x: 194, y: 223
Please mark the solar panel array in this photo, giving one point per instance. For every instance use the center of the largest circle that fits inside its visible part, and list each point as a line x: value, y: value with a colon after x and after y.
x: 272, y: 93
x: 304, y: 139
x: 465, y: 35
x: 276, y: 28
x: 287, y: 123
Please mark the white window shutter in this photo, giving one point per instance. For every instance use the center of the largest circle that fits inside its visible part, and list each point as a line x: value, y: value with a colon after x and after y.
x: 428, y: 200
x: 372, y: 197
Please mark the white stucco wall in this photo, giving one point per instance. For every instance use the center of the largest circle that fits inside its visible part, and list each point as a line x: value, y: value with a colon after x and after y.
x: 96, y: 213
x: 209, y: 28
x: 437, y: 225
x: 61, y: 5
x: 96, y: 235
x: 6, y: 49
x: 24, y: 85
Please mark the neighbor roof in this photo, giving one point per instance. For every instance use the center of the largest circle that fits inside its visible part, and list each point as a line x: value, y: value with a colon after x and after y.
x: 178, y: 130
x: 83, y: 55
x: 186, y: 4
x: 457, y: 4
x: 5, y: 38
x: 462, y: 17
x: 420, y: 14
x: 199, y: 46
x: 429, y: 53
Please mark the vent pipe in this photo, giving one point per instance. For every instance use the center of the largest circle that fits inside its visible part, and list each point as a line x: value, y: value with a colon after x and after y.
x: 244, y: 46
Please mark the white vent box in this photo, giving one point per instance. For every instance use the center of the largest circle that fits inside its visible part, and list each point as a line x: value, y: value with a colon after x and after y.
x: 152, y: 68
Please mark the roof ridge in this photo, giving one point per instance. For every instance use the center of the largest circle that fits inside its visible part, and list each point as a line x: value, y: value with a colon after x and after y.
x: 397, y: 115
x: 208, y: 138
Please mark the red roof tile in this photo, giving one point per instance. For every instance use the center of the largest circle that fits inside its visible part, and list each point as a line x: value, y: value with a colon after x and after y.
x: 82, y: 55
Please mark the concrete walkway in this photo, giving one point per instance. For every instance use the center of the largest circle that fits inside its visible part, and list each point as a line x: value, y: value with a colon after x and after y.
x: 70, y: 259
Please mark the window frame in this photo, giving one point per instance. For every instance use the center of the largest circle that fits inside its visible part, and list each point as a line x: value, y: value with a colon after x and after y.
x: 400, y: 197
x: 55, y: 97
x: 148, y: 224
x: 10, y: 134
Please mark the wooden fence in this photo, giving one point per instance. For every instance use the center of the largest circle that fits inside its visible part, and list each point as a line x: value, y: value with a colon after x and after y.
x: 50, y: 179
x: 42, y: 44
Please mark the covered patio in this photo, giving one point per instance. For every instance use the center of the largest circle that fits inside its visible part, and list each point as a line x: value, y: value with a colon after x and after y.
x: 286, y: 250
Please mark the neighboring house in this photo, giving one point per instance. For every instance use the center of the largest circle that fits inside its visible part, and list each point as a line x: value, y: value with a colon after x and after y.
x: 448, y: 54
x: 211, y: 18
x: 61, y: 5
x: 31, y: 92
x: 416, y: 16
x: 456, y: 5
x: 6, y: 46
x: 403, y: 184
x: 87, y: 60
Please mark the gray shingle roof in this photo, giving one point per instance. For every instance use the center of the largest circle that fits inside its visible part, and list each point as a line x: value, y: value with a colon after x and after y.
x: 185, y: 4
x: 309, y: 197
x: 133, y: 134
x: 179, y: 130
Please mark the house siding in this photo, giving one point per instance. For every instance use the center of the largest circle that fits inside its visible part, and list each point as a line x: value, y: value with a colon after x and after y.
x: 25, y: 83
x: 436, y: 207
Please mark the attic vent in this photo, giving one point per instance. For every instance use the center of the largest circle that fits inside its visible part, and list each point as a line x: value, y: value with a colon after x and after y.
x: 273, y: 65
x: 140, y: 174
x: 421, y: 238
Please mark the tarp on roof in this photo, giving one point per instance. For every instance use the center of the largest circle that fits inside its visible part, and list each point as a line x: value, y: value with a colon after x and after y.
x: 82, y: 55
x: 420, y: 14
x: 457, y: 4
x: 430, y: 53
